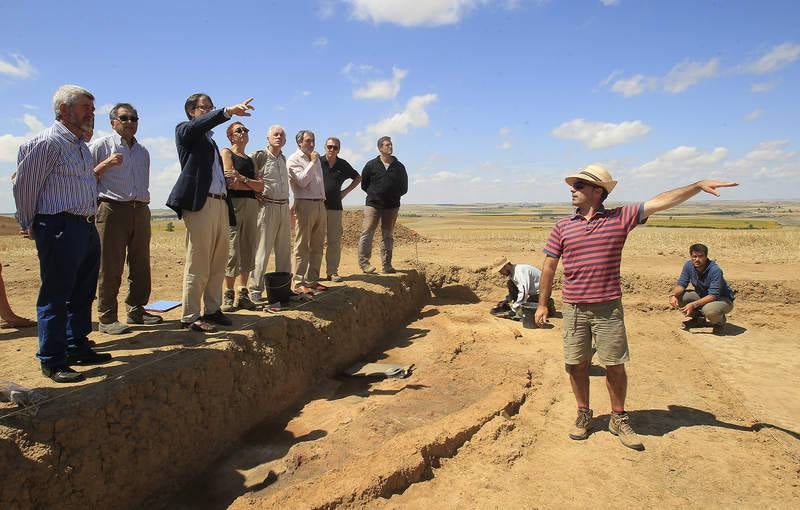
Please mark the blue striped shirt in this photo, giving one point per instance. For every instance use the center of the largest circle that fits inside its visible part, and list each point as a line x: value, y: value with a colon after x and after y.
x: 55, y: 173
x: 128, y: 181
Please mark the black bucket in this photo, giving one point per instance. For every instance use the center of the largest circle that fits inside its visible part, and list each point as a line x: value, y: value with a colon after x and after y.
x: 528, y: 315
x: 279, y: 287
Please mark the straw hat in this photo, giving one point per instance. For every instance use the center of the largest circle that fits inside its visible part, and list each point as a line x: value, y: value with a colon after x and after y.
x: 499, y: 263
x: 593, y: 174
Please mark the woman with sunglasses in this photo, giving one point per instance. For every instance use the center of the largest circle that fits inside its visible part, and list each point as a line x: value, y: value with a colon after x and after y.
x: 243, y: 189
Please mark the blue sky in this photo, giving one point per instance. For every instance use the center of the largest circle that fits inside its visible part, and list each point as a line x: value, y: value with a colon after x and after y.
x: 486, y: 100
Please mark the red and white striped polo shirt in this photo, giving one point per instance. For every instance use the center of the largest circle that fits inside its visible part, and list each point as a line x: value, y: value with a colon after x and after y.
x: 591, y: 252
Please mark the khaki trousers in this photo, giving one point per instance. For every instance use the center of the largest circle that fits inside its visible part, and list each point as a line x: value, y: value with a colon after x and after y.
x: 714, y: 312
x: 207, y: 234
x: 123, y: 228
x: 309, y: 239
x: 243, y: 237
x: 333, y: 252
x: 387, y: 218
x: 273, y: 234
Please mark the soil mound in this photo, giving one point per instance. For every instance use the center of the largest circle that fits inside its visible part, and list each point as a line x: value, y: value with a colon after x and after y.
x: 353, y: 219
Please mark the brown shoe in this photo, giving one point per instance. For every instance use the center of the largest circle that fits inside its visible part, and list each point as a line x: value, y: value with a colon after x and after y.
x: 318, y: 287
x: 583, y: 423
x: 200, y: 325
x: 620, y: 426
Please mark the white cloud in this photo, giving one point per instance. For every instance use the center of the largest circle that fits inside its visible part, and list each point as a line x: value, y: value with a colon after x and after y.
x: 411, y: 13
x: 683, y: 160
x: 634, y: 85
x: 677, y: 80
x: 686, y: 74
x: 160, y: 147
x: 599, y: 135
x: 505, y: 131
x: 320, y: 42
x: 19, y: 68
x: 505, y: 145
x: 350, y: 70
x: 768, y: 159
x: 382, y: 89
x: 306, y: 93
x: 326, y: 9
x: 9, y: 144
x: 609, y: 3
x: 106, y: 108
x: 777, y: 58
x: 414, y: 115
x: 168, y: 175
x: 760, y: 88
x: 755, y: 114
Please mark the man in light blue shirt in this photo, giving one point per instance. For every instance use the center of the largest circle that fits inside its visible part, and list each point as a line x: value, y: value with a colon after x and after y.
x: 122, y: 167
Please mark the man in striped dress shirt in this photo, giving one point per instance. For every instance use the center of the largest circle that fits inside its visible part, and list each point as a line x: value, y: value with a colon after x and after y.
x: 56, y: 196
x: 590, y: 244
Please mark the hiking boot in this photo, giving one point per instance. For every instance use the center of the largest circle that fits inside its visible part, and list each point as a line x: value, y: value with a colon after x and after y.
x: 114, y: 328
x: 217, y: 318
x: 227, y: 300
x: 388, y: 270
x: 143, y: 317
x: 620, y: 426
x: 334, y: 277
x: 694, y: 322
x: 257, y: 297
x: 583, y: 423
x: 244, y: 300
x: 368, y: 268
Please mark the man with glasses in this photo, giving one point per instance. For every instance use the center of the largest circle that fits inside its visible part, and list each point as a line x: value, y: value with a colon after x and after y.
x: 122, y: 167
x: 335, y: 171
x: 200, y: 198
x: 385, y: 180
x: 590, y: 243
x: 274, y: 229
x: 308, y: 187
x: 55, y: 190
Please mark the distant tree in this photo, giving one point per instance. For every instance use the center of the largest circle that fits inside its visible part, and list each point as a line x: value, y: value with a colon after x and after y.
x: 170, y: 227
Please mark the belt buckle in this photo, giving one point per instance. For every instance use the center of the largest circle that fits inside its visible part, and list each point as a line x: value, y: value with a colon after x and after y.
x: 89, y: 219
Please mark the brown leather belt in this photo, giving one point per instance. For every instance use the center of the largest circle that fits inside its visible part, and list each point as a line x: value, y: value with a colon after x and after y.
x: 218, y: 197
x: 87, y: 219
x: 131, y: 203
x: 312, y: 199
x: 276, y: 201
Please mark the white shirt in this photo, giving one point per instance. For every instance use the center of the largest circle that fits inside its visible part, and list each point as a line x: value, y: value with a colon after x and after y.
x: 305, y: 177
x: 128, y: 181
x: 526, y: 278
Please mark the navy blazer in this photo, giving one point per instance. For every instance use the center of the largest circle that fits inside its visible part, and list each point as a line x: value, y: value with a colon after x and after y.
x: 196, y: 152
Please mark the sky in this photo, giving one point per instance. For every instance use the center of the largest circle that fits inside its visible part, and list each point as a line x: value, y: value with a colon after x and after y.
x: 485, y: 100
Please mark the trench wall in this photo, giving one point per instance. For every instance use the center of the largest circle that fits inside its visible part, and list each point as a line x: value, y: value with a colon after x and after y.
x: 118, y: 442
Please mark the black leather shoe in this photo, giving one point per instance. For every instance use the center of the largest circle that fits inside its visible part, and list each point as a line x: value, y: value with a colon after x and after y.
x: 218, y: 318
x: 201, y: 325
x: 62, y: 374
x: 88, y: 357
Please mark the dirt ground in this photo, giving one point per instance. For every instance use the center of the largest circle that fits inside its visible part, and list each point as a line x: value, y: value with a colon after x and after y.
x: 482, y: 421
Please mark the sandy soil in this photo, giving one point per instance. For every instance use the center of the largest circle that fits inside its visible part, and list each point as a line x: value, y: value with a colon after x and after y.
x: 482, y: 422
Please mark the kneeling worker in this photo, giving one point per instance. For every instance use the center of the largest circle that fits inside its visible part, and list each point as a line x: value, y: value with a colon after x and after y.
x: 523, y: 286
x: 711, y: 298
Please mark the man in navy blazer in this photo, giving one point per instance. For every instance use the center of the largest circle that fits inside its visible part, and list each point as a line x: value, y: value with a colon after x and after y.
x: 200, y: 198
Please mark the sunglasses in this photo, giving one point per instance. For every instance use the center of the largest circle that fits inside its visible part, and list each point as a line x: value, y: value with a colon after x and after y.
x: 332, y: 147
x: 241, y: 130
x: 126, y: 118
x: 579, y: 185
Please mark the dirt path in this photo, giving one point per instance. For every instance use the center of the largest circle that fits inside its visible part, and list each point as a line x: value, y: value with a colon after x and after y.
x: 482, y: 423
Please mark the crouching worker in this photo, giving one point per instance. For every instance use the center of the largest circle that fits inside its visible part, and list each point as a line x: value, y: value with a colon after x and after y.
x: 523, y: 287
x: 711, y: 298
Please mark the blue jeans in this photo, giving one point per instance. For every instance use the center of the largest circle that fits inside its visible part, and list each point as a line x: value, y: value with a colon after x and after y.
x: 69, y: 261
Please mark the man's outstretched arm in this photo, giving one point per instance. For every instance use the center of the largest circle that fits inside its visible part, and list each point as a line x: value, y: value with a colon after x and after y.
x: 669, y: 199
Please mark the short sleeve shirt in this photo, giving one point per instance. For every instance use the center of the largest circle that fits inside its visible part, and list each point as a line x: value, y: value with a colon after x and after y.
x: 334, y: 177
x: 591, y: 252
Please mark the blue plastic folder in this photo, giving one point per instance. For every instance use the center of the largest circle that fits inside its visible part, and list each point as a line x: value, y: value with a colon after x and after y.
x: 162, y: 306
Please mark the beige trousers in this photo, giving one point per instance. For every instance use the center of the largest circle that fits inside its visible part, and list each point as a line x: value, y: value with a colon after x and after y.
x: 243, y: 237
x: 309, y: 240
x: 333, y: 251
x: 273, y: 234
x: 207, y: 234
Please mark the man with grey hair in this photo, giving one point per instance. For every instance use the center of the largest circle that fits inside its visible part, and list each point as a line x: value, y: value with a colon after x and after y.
x: 308, y: 187
x: 385, y: 180
x: 273, y: 218
x: 56, y: 196
x: 122, y: 167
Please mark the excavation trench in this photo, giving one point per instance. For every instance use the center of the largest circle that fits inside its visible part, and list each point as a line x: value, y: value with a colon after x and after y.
x: 158, y: 424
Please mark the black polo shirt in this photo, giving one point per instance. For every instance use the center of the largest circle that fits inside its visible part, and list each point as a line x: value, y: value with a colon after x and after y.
x: 334, y: 178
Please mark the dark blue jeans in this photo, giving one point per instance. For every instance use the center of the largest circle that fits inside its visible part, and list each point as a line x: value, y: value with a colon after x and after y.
x: 69, y: 261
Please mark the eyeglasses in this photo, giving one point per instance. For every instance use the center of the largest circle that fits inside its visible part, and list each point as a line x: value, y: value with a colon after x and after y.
x: 332, y: 147
x: 241, y: 130
x: 126, y: 118
x: 579, y: 185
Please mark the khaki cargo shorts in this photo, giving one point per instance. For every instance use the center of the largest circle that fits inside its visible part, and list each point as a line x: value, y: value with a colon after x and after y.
x: 605, y: 322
